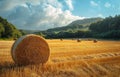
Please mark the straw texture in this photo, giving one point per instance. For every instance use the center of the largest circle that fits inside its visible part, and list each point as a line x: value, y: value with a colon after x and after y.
x: 30, y: 49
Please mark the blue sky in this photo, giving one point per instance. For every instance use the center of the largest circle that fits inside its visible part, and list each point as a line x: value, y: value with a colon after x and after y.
x: 94, y: 8
x: 45, y: 14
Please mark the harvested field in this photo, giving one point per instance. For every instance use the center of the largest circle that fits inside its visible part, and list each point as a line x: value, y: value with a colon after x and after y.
x: 68, y: 58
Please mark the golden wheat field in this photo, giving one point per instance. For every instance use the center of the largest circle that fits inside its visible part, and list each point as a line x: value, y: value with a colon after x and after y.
x: 68, y: 58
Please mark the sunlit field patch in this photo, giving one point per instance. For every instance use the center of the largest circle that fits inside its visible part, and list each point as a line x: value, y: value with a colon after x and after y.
x: 68, y: 58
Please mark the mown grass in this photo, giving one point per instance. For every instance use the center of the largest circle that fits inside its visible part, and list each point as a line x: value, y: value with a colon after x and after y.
x: 68, y: 58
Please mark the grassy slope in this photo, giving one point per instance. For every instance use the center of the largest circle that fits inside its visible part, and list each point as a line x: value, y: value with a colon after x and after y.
x: 78, y: 24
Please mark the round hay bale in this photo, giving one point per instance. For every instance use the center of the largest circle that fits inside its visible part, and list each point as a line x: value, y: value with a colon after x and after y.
x: 78, y: 40
x: 15, y: 39
x: 95, y: 41
x: 61, y: 39
x: 30, y: 49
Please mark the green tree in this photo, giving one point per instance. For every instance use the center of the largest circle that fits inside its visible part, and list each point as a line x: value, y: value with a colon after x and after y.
x: 108, y: 28
x: 1, y: 30
x: 8, y: 30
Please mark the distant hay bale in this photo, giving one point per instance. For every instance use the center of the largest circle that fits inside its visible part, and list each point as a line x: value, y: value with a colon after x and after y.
x: 61, y: 39
x: 30, y: 49
x: 15, y: 39
x: 95, y: 41
x: 78, y: 40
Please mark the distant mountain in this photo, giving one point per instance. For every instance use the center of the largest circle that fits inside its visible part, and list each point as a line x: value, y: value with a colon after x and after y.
x: 77, y: 25
x: 85, y: 22
x: 28, y: 31
x: 74, y: 26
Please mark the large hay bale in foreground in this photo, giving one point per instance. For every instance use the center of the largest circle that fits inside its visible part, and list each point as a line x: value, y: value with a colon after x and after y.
x: 30, y: 49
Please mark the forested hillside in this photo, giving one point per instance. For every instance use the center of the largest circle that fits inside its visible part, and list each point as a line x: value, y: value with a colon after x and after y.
x: 108, y: 28
x: 76, y: 25
x: 8, y: 30
x: 76, y: 29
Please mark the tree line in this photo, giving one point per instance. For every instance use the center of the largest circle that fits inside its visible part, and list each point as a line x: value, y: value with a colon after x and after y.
x: 8, y: 30
x: 108, y: 28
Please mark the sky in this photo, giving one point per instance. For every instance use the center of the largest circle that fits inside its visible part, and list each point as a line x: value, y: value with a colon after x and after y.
x: 45, y: 14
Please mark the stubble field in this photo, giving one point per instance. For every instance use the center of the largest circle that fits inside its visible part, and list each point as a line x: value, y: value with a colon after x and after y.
x: 68, y: 58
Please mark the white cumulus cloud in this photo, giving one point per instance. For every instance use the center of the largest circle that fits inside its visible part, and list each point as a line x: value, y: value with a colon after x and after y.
x: 93, y: 3
x: 107, y: 5
x: 36, y: 14
x: 69, y: 3
x: 100, y: 15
